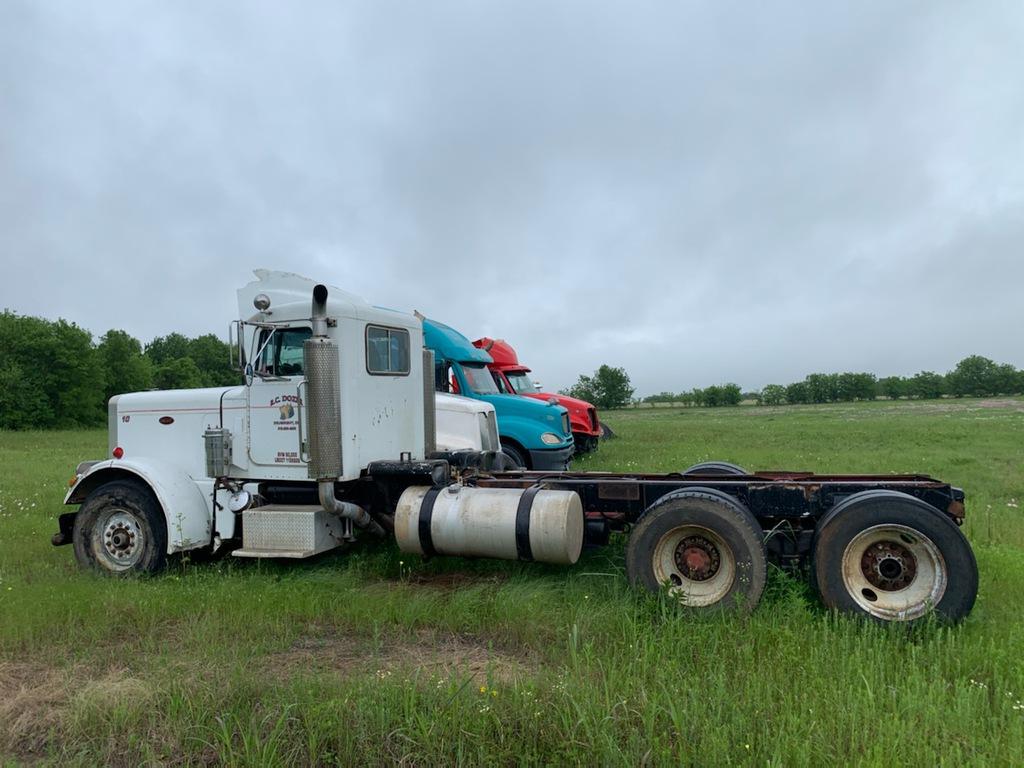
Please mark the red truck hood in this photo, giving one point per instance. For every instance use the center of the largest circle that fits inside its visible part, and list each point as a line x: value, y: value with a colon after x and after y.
x: 579, y: 412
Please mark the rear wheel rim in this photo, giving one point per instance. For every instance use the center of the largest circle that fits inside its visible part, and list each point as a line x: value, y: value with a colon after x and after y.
x: 118, y: 539
x: 894, y: 572
x: 696, y: 564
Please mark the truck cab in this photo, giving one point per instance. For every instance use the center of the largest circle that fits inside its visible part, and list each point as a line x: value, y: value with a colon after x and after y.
x: 178, y: 446
x: 534, y: 434
x: 513, y: 378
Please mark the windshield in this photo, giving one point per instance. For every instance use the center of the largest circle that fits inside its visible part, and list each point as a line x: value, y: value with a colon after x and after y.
x: 521, y: 383
x: 479, y: 379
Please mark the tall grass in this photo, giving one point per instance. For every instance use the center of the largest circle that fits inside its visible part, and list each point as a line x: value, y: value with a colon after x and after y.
x: 372, y: 658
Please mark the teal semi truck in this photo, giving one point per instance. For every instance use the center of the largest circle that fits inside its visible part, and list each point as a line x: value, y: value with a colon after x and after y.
x: 534, y: 434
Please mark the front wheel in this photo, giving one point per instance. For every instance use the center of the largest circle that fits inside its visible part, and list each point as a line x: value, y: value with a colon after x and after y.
x: 704, y: 547
x: 892, y: 557
x: 120, y: 530
x: 513, y: 455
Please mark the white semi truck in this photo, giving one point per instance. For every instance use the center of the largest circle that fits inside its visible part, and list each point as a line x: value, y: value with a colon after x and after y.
x: 335, y: 430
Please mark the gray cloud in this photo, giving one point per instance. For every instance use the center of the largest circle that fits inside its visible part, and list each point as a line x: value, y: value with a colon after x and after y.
x: 699, y: 193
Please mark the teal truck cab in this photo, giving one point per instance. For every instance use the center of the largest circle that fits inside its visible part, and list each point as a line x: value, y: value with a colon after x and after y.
x: 534, y: 434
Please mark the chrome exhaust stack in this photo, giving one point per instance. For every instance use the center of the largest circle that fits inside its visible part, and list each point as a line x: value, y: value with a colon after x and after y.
x: 429, y: 405
x: 321, y: 362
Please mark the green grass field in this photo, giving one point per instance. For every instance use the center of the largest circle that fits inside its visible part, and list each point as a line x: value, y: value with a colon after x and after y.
x: 371, y: 657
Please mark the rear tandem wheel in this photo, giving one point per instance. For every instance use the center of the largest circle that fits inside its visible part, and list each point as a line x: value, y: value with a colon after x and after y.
x: 715, y: 468
x: 892, y: 557
x: 704, y: 546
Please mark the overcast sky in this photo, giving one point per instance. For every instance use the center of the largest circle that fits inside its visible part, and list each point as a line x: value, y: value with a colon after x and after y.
x: 698, y: 192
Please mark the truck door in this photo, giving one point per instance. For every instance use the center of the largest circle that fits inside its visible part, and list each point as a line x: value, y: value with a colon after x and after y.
x: 273, y: 398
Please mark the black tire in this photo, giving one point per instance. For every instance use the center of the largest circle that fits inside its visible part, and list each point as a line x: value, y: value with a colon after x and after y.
x: 606, y: 431
x: 584, y: 444
x: 513, y: 454
x: 710, y: 536
x: 120, y: 530
x: 715, y: 468
x: 893, y: 558
x: 502, y: 463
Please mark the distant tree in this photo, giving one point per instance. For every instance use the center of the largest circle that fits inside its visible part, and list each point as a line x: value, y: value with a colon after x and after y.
x: 731, y: 394
x: 165, y: 348
x: 212, y: 358
x: 926, y: 385
x: 661, y: 397
x: 51, y: 375
x: 856, y: 386
x: 612, y: 387
x: 180, y: 373
x: 797, y: 393
x: 713, y: 396
x: 975, y: 376
x: 125, y: 368
x: 583, y: 389
x: 893, y: 387
x: 772, y: 394
x: 210, y: 355
x: 1007, y: 380
x: 823, y: 387
x: 608, y: 388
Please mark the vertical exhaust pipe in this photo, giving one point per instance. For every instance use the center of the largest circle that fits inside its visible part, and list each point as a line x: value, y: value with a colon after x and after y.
x: 429, y: 405
x: 323, y: 395
x: 321, y: 363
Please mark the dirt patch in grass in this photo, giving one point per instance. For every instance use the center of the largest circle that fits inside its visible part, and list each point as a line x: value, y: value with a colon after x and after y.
x: 36, y: 698
x: 32, y: 699
x: 453, y: 580
x: 1002, y: 403
x: 425, y: 654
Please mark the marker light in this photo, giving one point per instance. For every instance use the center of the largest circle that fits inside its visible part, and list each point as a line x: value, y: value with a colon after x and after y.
x: 118, y: 452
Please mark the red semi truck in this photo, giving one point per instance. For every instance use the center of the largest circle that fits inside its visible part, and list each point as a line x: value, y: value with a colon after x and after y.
x: 513, y: 378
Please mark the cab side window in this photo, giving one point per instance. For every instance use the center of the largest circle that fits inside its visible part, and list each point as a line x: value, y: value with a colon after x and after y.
x: 282, y: 351
x: 387, y: 351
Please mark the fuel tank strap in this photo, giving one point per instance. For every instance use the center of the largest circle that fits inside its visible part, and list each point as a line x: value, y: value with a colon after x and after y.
x: 426, y: 515
x: 523, y: 549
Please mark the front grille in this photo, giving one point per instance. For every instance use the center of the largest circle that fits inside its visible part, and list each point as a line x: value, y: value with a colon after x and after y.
x: 565, y: 424
x: 592, y: 412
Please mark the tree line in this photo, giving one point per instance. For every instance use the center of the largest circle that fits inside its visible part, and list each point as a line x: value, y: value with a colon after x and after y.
x: 974, y: 376
x: 54, y: 375
x: 711, y: 397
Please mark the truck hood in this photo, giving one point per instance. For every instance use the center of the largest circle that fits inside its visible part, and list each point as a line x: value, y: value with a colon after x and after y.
x: 207, y: 398
x: 569, y: 403
x: 527, y: 408
x: 444, y: 401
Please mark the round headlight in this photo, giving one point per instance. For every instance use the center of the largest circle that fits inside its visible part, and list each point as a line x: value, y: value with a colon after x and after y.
x: 550, y: 438
x: 240, y: 501
x: 261, y: 302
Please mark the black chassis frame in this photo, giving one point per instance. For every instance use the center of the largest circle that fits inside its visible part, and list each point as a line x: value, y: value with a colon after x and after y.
x: 788, y: 505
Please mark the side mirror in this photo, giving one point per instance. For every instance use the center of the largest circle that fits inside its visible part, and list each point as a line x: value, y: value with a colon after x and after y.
x: 236, y: 352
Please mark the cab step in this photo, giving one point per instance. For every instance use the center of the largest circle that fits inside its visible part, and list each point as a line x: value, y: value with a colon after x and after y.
x: 292, y: 531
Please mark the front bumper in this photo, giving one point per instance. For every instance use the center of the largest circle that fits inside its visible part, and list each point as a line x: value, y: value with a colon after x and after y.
x: 556, y: 459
